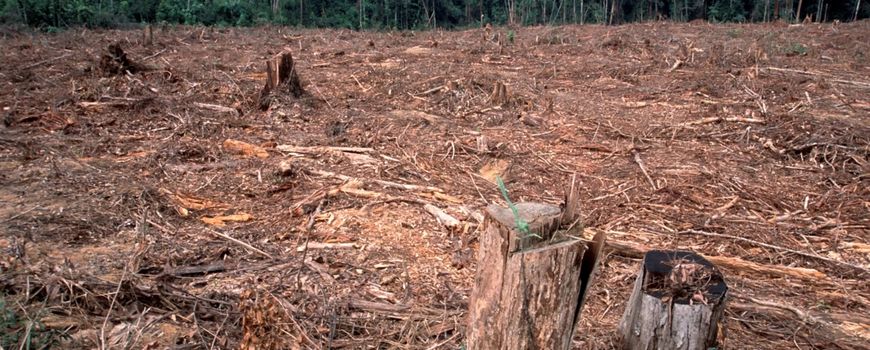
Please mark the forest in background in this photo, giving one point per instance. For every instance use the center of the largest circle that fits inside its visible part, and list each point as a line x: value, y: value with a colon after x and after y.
x: 414, y: 14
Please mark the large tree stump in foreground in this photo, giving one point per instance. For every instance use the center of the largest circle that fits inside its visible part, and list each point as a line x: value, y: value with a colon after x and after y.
x: 677, y: 304
x: 529, y: 290
x: 280, y: 76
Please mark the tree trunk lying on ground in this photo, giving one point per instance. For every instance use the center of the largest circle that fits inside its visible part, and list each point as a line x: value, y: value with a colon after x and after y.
x: 530, y: 286
x: 677, y: 304
x: 280, y: 75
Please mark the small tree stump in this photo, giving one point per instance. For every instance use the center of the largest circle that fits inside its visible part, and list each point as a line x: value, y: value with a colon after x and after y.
x: 499, y: 95
x: 148, y: 33
x: 280, y: 73
x: 115, y: 61
x: 529, y: 290
x: 677, y: 304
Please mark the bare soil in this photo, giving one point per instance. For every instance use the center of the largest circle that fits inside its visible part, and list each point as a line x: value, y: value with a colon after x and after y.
x: 136, y: 214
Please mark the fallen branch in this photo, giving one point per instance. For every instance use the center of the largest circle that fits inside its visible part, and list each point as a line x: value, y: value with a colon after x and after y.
x: 782, y: 249
x: 833, y: 329
x: 322, y: 149
x: 643, y: 169
x: 319, y: 245
x: 711, y: 120
x: 632, y: 250
x: 445, y: 219
x: 217, y: 108
x: 240, y: 243
x: 46, y: 61
x: 387, y: 184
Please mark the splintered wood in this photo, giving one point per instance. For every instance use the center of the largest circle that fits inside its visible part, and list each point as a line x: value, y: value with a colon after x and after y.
x: 543, y: 272
x: 280, y: 73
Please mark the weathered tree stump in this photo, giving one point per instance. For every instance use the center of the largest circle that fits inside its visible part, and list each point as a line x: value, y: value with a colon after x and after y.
x: 148, y: 34
x: 115, y: 61
x: 280, y: 75
x: 499, y: 96
x: 529, y: 290
x: 677, y: 304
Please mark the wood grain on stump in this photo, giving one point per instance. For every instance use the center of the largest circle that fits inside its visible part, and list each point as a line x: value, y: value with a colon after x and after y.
x: 529, y: 289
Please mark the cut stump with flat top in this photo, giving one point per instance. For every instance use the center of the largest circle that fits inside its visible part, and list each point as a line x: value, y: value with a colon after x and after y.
x: 677, y: 304
x: 529, y: 289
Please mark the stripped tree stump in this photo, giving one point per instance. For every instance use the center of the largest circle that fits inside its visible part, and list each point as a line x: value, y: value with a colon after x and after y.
x: 529, y: 290
x: 280, y: 75
x: 677, y: 304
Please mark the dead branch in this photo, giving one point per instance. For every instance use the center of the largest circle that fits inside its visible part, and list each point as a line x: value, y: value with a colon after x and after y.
x: 643, y: 169
x: 711, y: 120
x: 633, y: 250
x: 778, y: 248
x: 46, y: 61
x: 217, y: 108
x: 387, y: 184
x: 240, y: 243
x: 445, y: 219
x: 322, y: 149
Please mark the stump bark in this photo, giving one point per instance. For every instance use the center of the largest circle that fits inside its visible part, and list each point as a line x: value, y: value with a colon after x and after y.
x: 280, y: 76
x: 529, y: 290
x: 677, y: 304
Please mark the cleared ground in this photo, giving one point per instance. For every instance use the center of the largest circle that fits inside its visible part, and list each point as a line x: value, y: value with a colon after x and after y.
x: 749, y: 143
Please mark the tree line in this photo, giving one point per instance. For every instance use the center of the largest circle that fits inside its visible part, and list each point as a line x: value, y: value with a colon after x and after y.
x: 415, y: 14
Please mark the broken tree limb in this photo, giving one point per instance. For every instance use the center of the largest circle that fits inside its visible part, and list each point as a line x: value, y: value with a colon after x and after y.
x: 677, y: 304
x: 445, y: 219
x: 37, y: 64
x: 711, y: 120
x: 217, y: 108
x: 387, y: 184
x: 529, y: 288
x: 829, y: 325
x: 738, y: 265
x: 322, y: 149
x: 240, y: 243
x: 643, y: 169
x: 856, y: 268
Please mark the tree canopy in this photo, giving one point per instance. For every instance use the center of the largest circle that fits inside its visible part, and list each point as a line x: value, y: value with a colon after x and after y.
x: 415, y: 14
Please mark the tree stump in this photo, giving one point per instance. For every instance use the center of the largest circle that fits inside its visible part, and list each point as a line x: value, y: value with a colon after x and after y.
x: 677, y: 304
x: 148, y: 33
x: 529, y: 290
x: 280, y: 75
x: 115, y: 61
x: 499, y: 95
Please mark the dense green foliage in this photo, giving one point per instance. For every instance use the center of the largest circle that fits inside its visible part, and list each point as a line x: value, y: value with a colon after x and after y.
x: 411, y: 14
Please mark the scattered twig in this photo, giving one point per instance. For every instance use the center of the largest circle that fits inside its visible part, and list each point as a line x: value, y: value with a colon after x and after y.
x: 387, y: 184
x: 46, y: 61
x: 643, y: 169
x: 241, y: 243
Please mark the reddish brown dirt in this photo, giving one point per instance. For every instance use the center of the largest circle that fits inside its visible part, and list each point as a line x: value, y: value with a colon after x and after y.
x: 761, y: 133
